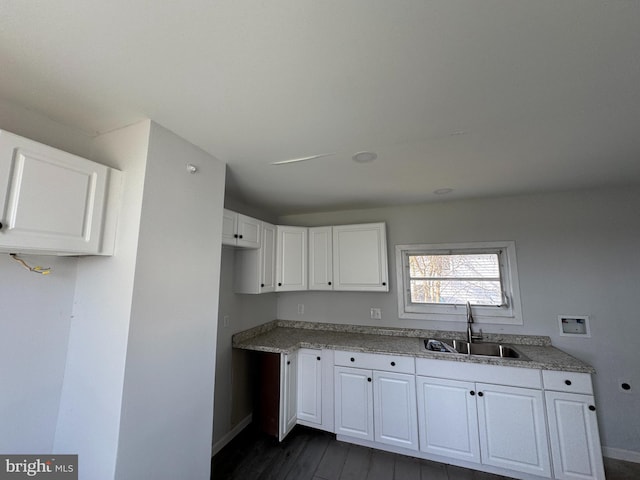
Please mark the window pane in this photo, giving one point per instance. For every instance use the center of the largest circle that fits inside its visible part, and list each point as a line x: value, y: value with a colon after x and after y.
x: 477, y: 292
x: 481, y: 265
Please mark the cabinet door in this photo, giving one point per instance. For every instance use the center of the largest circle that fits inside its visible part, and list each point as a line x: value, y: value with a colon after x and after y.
x: 360, y: 257
x: 573, y: 432
x: 448, y: 419
x: 354, y: 402
x: 288, y: 392
x: 512, y: 428
x: 268, y: 258
x: 310, y: 386
x: 255, y: 269
x: 249, y: 230
x: 229, y: 227
x: 50, y: 200
x: 320, y: 258
x: 291, y: 258
x: 394, y: 409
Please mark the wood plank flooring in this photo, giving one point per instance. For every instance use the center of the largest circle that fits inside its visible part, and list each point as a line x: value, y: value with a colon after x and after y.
x: 308, y: 454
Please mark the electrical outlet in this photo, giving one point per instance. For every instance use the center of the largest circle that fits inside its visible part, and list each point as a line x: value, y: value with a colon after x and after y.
x: 376, y: 314
x: 301, y: 309
x: 225, y: 321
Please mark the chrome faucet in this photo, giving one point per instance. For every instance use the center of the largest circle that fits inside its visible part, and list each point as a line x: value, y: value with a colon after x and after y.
x: 470, y: 335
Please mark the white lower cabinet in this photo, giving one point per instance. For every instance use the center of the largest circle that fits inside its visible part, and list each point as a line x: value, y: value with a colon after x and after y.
x: 315, y: 388
x: 354, y: 402
x: 309, y: 386
x: 574, y: 437
x: 288, y: 393
x: 376, y: 405
x: 394, y: 409
x: 448, y: 418
x: 483, y: 423
x: 520, y: 427
x: 512, y: 429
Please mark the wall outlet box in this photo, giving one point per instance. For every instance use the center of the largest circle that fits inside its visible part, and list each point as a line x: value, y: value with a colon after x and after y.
x: 376, y: 314
x: 574, y: 326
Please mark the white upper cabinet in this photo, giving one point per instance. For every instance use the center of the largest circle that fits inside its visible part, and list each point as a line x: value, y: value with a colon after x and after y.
x: 345, y: 257
x: 320, y: 258
x: 360, y: 258
x: 54, y: 202
x: 255, y: 269
x: 240, y: 230
x: 291, y: 258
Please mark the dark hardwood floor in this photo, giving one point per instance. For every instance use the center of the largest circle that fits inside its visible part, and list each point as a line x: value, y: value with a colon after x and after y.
x: 308, y: 454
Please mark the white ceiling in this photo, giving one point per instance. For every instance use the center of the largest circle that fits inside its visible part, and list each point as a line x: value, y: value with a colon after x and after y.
x: 487, y: 97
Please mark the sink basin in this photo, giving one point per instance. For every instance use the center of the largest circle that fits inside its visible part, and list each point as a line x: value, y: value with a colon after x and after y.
x: 486, y: 349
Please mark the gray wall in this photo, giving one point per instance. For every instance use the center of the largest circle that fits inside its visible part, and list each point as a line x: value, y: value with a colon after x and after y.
x: 233, y: 402
x: 165, y: 425
x: 35, y: 318
x: 577, y: 254
x: 110, y: 352
x: 92, y: 391
x: 36, y: 315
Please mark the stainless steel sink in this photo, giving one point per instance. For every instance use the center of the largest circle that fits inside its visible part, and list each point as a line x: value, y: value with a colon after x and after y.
x: 486, y: 349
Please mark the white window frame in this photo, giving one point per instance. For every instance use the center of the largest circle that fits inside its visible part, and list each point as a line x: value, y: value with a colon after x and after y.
x: 509, y: 314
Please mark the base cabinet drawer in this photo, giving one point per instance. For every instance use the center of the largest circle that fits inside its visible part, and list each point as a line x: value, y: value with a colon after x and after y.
x: 572, y: 382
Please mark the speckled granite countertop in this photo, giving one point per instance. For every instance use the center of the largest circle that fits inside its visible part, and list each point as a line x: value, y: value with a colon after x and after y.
x: 282, y: 336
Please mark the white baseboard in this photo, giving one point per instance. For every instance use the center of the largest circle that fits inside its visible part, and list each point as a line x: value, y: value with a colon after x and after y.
x: 619, y: 454
x: 220, y: 444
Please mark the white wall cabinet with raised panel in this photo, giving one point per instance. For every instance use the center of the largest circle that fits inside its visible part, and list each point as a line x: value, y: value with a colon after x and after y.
x: 255, y: 269
x: 345, y: 257
x: 360, y: 258
x: 239, y: 230
x: 291, y: 258
x: 321, y: 258
x: 53, y: 202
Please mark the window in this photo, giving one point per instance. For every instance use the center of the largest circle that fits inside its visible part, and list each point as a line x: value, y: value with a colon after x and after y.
x: 436, y: 282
